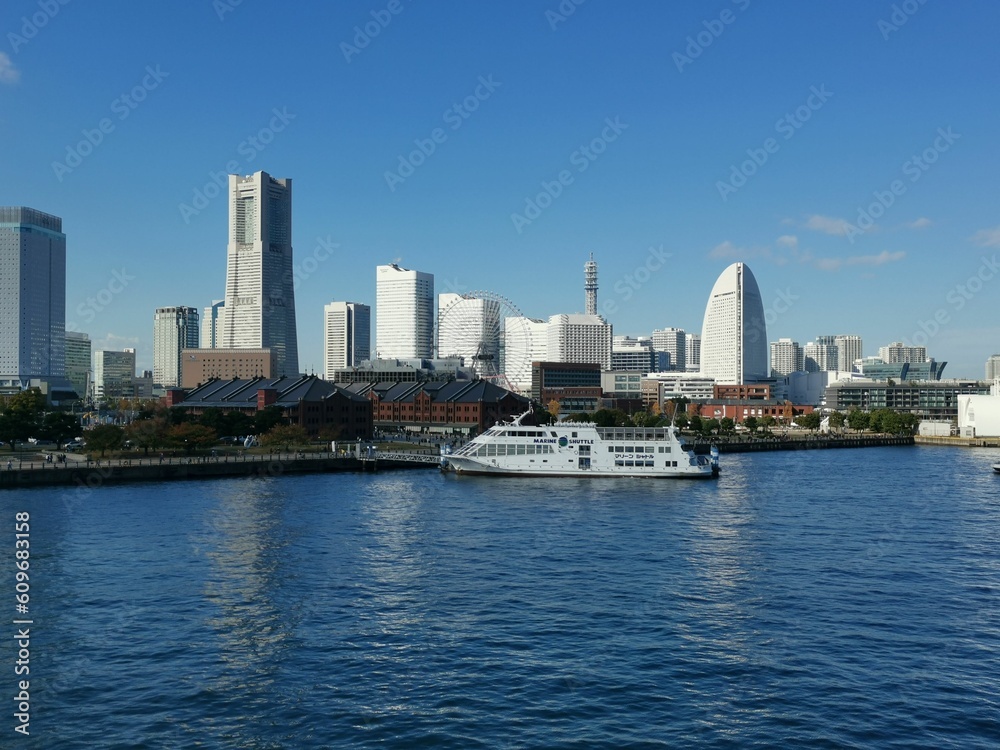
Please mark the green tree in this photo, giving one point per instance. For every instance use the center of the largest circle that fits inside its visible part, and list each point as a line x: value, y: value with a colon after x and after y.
x: 15, y: 426
x: 682, y: 420
x: 148, y: 434
x: 857, y: 420
x: 751, y: 424
x: 695, y: 422
x: 767, y: 422
x: 215, y: 420
x: 810, y: 421
x: 267, y: 418
x: 837, y: 419
x: 285, y: 435
x: 104, y: 437
x: 29, y: 403
x: 59, y: 426
x: 726, y: 425
x: 709, y: 426
x: 191, y: 436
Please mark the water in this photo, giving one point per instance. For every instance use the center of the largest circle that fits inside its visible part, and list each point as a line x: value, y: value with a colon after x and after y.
x: 818, y: 599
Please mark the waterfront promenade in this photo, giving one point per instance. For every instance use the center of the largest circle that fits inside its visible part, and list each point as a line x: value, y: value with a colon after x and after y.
x: 80, y: 471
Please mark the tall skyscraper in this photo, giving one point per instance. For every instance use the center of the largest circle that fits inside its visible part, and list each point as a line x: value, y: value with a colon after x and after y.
x: 174, y: 329
x: 820, y: 355
x: 692, y: 352
x: 734, y: 334
x: 32, y: 297
x: 786, y: 357
x: 993, y: 367
x: 212, y: 321
x: 469, y: 327
x: 848, y: 351
x: 404, y: 310
x: 590, y: 285
x: 673, y: 341
x: 260, y: 293
x: 579, y: 339
x: 78, y: 356
x: 347, y: 330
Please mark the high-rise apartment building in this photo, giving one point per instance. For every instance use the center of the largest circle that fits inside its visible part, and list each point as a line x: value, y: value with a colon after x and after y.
x: 993, y: 367
x: 404, y: 311
x: 32, y: 297
x: 897, y: 352
x: 734, y: 334
x: 174, y: 329
x: 78, y: 357
x: 347, y: 330
x: 580, y: 338
x: 692, y: 352
x: 212, y: 322
x: 674, y: 342
x: 786, y: 357
x: 114, y: 374
x: 260, y: 293
x: 849, y: 351
x: 820, y: 355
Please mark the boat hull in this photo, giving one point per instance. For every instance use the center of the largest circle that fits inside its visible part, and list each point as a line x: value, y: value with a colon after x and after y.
x: 471, y: 468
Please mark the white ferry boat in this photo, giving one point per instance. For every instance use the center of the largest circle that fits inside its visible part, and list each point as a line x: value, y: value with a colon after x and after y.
x: 581, y: 449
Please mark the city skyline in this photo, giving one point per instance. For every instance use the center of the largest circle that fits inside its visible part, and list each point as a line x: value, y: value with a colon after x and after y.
x: 847, y: 166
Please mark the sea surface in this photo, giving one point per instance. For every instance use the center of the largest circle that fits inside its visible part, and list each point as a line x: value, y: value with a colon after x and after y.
x: 839, y: 598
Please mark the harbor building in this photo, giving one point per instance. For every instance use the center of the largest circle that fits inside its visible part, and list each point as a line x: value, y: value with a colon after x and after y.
x: 174, y: 330
x: 347, y: 331
x: 78, y: 359
x: 201, y: 365
x: 260, y: 292
x: 934, y: 400
x: 734, y: 333
x: 876, y: 369
x: 404, y: 313
x: 32, y: 300
x: 401, y: 371
x: 212, y: 321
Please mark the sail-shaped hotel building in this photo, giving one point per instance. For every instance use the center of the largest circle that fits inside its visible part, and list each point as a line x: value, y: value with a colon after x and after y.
x: 734, y: 333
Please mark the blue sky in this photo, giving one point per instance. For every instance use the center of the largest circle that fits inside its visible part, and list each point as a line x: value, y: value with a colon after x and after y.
x: 847, y: 152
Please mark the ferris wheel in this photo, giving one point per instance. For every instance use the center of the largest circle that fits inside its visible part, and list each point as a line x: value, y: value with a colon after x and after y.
x: 489, y: 333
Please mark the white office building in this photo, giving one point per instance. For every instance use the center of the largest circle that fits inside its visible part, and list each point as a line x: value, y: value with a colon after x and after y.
x: 347, y: 331
x: 174, y: 329
x: 404, y: 310
x: 260, y: 294
x: 674, y: 342
x: 525, y: 340
x: 734, y: 334
x: 212, y: 321
x: 635, y: 355
x: 114, y: 374
x: 32, y: 297
x: 580, y: 338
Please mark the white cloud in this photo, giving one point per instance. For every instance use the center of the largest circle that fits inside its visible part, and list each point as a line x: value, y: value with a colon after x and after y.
x: 728, y: 250
x: 115, y: 343
x: 788, y: 240
x: 8, y: 73
x: 827, y: 224
x: 835, y: 264
x: 725, y: 250
x: 987, y: 237
x: 922, y: 223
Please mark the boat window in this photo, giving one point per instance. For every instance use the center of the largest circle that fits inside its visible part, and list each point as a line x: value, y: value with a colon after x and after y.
x: 611, y: 449
x: 552, y: 433
x: 630, y: 449
x: 491, y: 449
x: 650, y: 448
x: 649, y: 463
x: 573, y: 434
x: 520, y: 449
x: 619, y: 462
x: 619, y: 449
x: 630, y: 463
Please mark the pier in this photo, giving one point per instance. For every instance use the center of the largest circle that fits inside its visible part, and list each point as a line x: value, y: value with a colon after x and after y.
x: 781, y: 443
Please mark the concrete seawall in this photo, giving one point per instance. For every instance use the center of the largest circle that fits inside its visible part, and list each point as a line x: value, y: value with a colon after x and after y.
x: 113, y: 472
x: 818, y: 443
